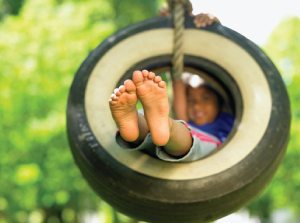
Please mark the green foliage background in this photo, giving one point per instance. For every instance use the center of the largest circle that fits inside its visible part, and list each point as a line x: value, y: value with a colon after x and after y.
x: 283, y: 48
x: 40, y: 50
x: 42, y: 43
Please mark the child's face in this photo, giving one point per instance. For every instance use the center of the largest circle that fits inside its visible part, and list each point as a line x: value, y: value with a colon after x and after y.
x: 203, y: 107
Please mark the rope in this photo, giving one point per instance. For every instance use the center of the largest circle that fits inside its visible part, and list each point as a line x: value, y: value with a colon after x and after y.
x: 178, y: 7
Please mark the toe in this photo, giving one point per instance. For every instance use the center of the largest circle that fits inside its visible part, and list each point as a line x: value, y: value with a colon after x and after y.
x: 122, y: 89
x: 145, y: 73
x: 111, y: 102
x: 157, y: 79
x: 162, y: 84
x: 117, y: 92
x: 151, y: 76
x: 114, y: 97
x: 130, y: 87
x: 137, y: 78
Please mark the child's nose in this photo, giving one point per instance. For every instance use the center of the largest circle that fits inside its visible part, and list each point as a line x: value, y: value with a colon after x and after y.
x: 198, y: 105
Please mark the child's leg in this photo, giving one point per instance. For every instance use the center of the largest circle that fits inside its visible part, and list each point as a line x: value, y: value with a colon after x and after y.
x: 174, y: 136
x: 180, y: 140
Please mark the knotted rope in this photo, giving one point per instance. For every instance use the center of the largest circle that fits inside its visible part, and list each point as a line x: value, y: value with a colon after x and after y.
x: 178, y: 9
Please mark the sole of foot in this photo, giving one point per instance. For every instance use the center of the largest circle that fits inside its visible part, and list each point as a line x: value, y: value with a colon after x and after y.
x: 152, y: 93
x: 122, y: 104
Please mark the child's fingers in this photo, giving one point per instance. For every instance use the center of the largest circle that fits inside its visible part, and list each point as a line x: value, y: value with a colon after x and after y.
x: 202, y: 16
x: 200, y: 20
x: 208, y: 21
x: 203, y: 20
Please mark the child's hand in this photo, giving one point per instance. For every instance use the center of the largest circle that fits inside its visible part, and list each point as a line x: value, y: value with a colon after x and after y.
x: 200, y: 20
x: 205, y: 19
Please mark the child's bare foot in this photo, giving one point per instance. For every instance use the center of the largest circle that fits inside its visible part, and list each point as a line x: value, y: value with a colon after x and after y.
x: 123, y: 109
x: 151, y: 91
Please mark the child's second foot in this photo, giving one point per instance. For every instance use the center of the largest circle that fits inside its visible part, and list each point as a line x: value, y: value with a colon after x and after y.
x: 152, y: 92
x: 123, y: 109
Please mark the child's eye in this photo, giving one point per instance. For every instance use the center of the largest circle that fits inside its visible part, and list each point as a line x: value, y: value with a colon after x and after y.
x: 206, y: 98
x: 191, y: 101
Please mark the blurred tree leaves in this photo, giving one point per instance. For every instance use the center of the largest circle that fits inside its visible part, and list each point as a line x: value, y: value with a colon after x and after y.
x: 123, y: 9
x: 40, y: 50
x: 10, y: 7
x: 283, y: 48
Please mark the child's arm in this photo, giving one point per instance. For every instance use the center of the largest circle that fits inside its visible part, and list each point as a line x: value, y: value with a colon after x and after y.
x: 179, y: 88
x: 180, y: 100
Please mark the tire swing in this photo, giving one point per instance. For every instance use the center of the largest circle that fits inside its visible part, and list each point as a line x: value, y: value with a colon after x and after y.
x: 147, y: 188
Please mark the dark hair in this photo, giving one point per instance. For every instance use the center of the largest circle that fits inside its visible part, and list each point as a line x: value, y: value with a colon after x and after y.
x: 211, y: 89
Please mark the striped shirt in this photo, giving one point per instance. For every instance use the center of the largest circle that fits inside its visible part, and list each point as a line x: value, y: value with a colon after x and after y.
x: 215, y: 132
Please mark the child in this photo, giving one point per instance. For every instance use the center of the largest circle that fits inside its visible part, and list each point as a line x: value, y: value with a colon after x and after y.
x: 201, y: 108
x: 175, y: 140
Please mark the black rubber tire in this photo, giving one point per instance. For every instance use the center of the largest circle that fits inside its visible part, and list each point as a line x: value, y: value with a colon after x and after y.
x: 136, y: 191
